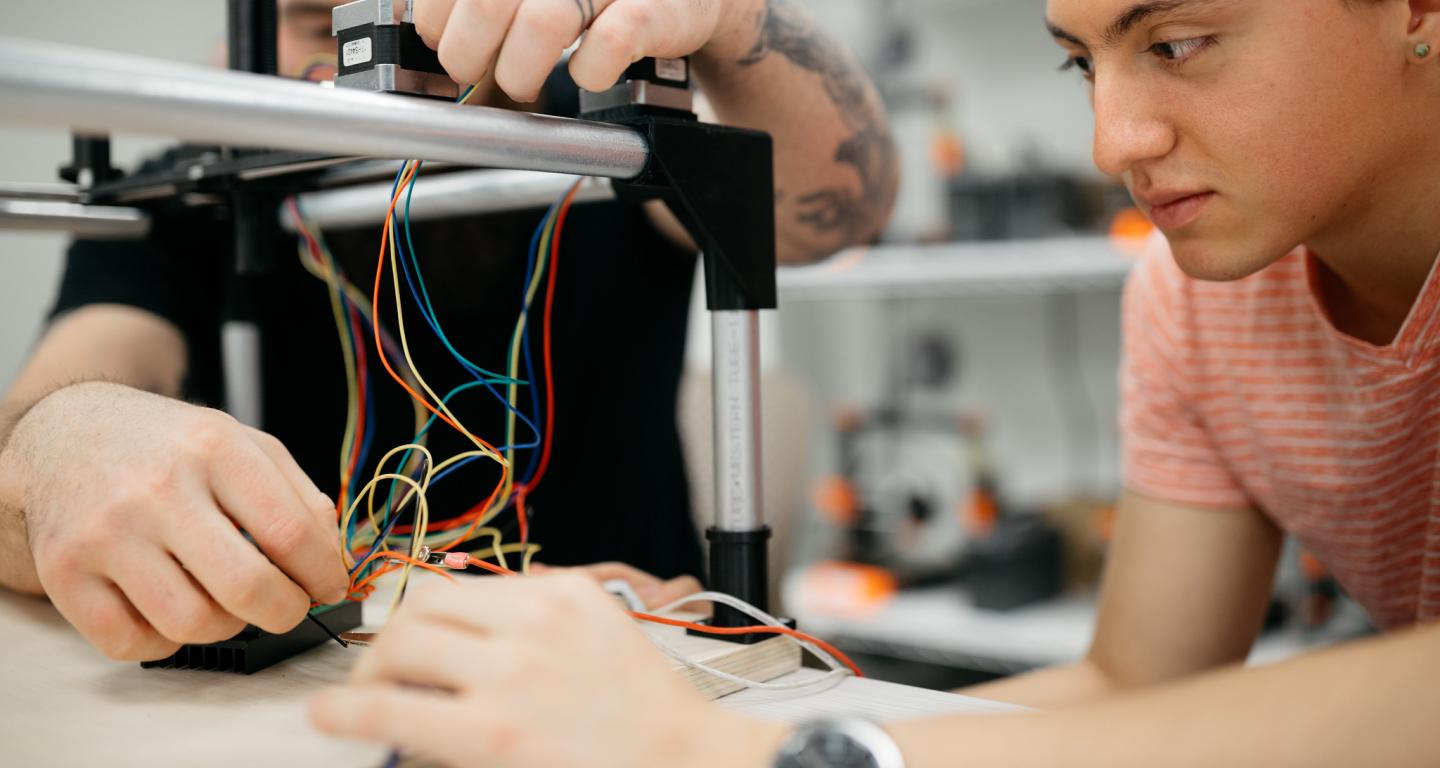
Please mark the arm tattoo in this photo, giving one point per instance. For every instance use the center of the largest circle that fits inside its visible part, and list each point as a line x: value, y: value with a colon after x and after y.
x: 786, y: 29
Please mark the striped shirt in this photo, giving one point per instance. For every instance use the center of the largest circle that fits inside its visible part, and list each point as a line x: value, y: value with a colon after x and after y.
x: 1244, y: 394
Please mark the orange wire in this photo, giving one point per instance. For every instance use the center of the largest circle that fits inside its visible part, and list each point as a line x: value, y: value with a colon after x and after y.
x: 360, y: 587
x: 756, y: 630
x: 385, y: 361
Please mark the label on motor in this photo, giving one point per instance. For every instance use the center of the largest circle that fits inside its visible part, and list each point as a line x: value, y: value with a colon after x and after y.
x: 356, y: 52
x: 674, y: 70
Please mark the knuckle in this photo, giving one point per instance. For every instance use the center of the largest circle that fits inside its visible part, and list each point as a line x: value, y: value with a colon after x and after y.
x: 575, y: 585
x: 549, y: 23
x: 460, y: 63
x: 245, y: 590
x: 193, y: 624
x: 285, y: 536
x: 613, y: 39
x: 136, y: 643
x: 640, y: 16
x: 207, y: 435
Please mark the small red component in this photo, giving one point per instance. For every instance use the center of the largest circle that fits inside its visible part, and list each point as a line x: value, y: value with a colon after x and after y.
x: 457, y: 560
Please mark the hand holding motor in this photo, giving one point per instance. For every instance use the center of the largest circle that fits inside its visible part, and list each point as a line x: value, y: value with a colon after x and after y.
x: 520, y: 41
x: 135, y: 505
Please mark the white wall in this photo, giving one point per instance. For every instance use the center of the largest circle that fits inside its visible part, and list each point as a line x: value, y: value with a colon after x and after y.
x: 997, y: 64
x: 184, y: 30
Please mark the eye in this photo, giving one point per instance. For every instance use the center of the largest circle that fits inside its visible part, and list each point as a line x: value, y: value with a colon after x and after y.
x: 1082, y: 63
x: 1180, y: 51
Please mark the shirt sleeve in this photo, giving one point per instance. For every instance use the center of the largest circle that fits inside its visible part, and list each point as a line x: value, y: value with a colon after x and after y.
x: 176, y: 273
x: 133, y: 273
x: 1166, y: 451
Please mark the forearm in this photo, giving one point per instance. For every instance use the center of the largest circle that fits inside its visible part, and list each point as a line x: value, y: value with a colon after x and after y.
x: 17, y: 567
x: 836, y: 168
x: 101, y: 343
x: 1371, y: 703
x: 1078, y: 683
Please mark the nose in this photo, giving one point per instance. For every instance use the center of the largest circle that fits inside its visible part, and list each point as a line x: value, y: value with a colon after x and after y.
x: 1130, y: 126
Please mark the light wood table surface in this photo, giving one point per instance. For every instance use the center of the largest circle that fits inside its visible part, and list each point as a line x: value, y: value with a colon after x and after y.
x: 64, y: 704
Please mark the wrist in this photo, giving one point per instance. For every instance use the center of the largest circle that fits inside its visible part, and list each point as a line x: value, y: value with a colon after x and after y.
x: 718, y: 738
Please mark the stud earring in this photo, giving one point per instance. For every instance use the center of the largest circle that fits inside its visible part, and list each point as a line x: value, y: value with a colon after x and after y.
x: 1422, y: 50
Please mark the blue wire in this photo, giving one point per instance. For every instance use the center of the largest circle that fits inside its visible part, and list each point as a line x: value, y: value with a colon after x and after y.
x: 423, y: 297
x: 481, y: 376
x: 427, y: 311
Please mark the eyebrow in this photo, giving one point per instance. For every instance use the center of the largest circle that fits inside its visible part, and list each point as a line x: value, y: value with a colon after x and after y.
x: 316, y: 8
x: 1126, y: 21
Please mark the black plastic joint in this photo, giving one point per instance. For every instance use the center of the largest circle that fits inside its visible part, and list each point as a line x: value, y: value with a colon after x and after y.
x: 739, y: 567
x: 720, y: 182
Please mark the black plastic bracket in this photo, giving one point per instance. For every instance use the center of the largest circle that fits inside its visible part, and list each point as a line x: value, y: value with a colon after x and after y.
x: 89, y: 162
x: 720, y: 182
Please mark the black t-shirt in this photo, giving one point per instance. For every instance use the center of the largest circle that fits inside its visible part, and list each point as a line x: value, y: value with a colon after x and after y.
x: 616, y: 487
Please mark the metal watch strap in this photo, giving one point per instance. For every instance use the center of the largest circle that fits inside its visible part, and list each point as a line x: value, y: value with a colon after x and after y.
x: 851, y: 742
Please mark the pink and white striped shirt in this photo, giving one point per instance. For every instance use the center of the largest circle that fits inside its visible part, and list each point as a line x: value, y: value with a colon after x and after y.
x: 1244, y: 394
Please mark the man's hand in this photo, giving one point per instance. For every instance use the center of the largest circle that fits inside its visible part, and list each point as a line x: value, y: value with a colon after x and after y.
x: 519, y: 41
x: 532, y: 671
x: 135, y: 505
x: 652, y: 590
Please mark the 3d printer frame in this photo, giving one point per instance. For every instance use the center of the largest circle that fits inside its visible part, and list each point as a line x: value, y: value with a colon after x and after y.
x: 283, y: 137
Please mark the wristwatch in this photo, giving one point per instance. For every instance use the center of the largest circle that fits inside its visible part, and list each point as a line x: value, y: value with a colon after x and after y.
x: 839, y: 743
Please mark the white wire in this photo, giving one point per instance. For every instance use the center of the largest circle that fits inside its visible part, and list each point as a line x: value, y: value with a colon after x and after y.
x: 837, y: 670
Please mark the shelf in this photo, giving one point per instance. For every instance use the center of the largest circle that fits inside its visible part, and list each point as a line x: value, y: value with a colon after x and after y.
x: 940, y: 626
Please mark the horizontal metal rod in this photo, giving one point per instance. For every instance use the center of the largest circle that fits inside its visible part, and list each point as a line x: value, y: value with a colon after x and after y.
x: 446, y: 195
x: 94, y: 221
x: 24, y: 190
x: 45, y: 84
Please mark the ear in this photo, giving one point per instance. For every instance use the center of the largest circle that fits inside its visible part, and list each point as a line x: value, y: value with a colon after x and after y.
x: 1424, y: 22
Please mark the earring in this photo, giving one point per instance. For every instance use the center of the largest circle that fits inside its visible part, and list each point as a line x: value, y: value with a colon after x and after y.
x: 1422, y: 50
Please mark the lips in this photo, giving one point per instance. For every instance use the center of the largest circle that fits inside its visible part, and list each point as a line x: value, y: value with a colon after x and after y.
x: 1176, y: 210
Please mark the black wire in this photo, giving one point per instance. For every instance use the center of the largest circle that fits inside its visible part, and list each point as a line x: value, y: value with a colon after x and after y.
x: 328, y: 631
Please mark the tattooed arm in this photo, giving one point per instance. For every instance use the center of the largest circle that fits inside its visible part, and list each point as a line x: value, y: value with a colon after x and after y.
x: 836, y: 169
x: 762, y: 64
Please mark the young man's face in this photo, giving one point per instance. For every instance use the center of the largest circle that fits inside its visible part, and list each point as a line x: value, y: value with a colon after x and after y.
x: 1243, y: 128
x: 305, y: 34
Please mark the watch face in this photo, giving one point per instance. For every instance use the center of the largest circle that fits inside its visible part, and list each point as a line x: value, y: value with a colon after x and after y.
x: 829, y: 749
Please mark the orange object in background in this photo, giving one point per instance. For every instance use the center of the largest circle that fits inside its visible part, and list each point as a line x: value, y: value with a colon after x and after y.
x: 1105, y: 523
x: 1129, y: 230
x: 947, y: 153
x: 1311, y: 566
x: 838, y: 501
x: 981, y: 513
x: 847, y: 590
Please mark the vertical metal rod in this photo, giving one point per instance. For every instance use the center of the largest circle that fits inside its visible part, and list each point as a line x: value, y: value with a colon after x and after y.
x: 739, y: 540
x: 735, y: 338
x: 240, y: 360
x: 253, y: 47
x: 252, y: 36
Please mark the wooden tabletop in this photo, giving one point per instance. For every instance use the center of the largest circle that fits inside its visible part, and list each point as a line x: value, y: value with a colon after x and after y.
x: 64, y: 704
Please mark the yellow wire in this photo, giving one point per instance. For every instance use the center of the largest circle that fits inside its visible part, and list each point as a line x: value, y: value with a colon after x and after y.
x: 514, y: 363
x: 352, y: 387
x: 528, y: 549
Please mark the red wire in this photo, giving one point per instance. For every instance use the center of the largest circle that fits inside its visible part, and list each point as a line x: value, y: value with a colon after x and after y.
x: 362, y: 384
x: 362, y: 367
x: 548, y: 366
